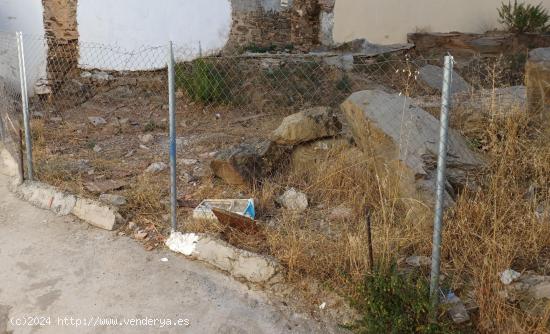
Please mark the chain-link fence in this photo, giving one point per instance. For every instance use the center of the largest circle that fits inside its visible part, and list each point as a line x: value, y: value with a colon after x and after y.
x: 10, y: 95
x: 101, y: 120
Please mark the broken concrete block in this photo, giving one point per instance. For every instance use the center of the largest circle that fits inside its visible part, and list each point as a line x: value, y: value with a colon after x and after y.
x: 293, y: 200
x: 404, y: 139
x: 432, y: 76
x: 245, y: 163
x: 46, y: 197
x: 96, y: 214
x: 537, y: 78
x: 307, y: 125
x: 239, y: 263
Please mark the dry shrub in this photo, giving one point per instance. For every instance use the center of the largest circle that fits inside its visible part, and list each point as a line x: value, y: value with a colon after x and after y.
x: 487, y: 231
x: 496, y: 227
x: 145, y: 200
x: 336, y: 251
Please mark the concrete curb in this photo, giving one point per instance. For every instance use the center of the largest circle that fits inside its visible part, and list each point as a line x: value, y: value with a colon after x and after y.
x: 238, y: 263
x: 62, y: 203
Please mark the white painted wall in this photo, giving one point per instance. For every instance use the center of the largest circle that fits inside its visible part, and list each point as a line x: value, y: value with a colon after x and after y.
x: 389, y: 21
x: 137, y: 25
x: 25, y: 16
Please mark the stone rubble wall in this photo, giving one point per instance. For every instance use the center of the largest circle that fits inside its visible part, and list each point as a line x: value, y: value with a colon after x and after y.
x: 62, y: 39
x: 298, y: 25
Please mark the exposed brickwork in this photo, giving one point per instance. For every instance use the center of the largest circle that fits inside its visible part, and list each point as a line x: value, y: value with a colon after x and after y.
x: 258, y: 27
x: 297, y: 25
x: 305, y: 24
x: 60, y: 24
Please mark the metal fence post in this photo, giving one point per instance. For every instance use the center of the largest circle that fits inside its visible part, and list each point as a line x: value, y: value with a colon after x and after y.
x: 25, y: 104
x: 172, y: 117
x: 440, y: 185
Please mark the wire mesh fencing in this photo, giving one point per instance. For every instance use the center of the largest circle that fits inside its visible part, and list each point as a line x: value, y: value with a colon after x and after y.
x: 10, y: 95
x: 93, y: 102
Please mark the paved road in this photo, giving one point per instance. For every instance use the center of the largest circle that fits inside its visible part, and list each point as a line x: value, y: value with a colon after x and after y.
x: 55, y: 268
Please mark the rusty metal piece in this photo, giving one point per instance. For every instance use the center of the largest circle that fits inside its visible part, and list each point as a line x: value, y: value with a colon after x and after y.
x: 236, y: 221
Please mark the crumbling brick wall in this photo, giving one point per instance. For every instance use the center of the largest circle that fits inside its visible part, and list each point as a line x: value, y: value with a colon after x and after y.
x: 61, y: 28
x: 256, y: 23
x: 305, y: 24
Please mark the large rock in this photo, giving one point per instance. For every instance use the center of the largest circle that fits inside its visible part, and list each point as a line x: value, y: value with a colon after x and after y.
x: 501, y: 101
x: 307, y: 125
x: 245, y: 163
x: 531, y: 292
x: 432, y: 76
x: 405, y: 140
x: 537, y: 78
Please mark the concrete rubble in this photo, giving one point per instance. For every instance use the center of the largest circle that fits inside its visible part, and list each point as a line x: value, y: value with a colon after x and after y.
x: 239, y: 263
x: 50, y: 198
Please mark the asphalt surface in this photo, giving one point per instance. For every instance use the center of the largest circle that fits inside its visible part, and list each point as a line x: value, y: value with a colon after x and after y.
x: 59, y: 275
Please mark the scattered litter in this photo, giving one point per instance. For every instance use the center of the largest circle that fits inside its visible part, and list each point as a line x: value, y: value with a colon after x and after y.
x: 132, y: 225
x: 130, y: 153
x: 457, y: 311
x: 509, y: 276
x: 164, y: 259
x: 97, y: 148
x: 236, y: 221
x: 323, y: 306
x: 143, y: 147
x: 182, y: 243
x: 243, y: 207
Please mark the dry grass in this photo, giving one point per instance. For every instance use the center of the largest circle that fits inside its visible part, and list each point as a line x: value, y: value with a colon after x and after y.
x: 487, y: 231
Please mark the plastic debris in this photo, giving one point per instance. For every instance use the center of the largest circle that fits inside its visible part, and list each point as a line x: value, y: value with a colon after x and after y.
x: 182, y: 243
x: 508, y: 276
x: 457, y: 310
x: 243, y: 207
x: 164, y: 259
